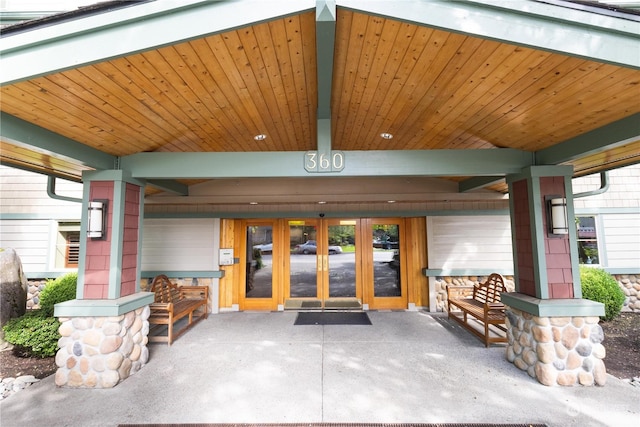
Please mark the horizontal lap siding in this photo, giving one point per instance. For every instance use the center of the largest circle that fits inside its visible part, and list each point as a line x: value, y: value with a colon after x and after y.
x: 30, y: 239
x: 622, y: 240
x: 180, y: 244
x: 468, y: 242
x: 23, y: 192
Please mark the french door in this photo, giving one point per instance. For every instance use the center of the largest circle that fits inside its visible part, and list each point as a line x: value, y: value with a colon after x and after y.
x: 323, y: 264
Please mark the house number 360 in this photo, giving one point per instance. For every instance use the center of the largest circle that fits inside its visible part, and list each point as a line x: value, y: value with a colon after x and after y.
x: 323, y: 162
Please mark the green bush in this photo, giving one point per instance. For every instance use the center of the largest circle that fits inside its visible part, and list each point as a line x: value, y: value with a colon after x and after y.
x: 33, y: 334
x: 59, y: 290
x: 600, y: 286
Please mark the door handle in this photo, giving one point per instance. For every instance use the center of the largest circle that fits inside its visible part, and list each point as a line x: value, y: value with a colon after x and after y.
x: 325, y: 262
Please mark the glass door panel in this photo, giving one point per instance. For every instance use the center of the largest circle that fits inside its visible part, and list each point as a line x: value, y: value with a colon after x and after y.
x: 386, y: 260
x: 341, y: 259
x: 259, y: 265
x: 303, y: 271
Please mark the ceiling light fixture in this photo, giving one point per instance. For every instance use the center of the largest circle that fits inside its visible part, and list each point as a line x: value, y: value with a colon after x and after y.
x: 391, y: 201
x: 386, y: 135
x: 322, y: 203
x: 253, y: 203
x: 260, y: 137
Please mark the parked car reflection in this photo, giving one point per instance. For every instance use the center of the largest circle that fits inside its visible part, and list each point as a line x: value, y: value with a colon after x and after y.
x: 266, y: 247
x: 310, y: 247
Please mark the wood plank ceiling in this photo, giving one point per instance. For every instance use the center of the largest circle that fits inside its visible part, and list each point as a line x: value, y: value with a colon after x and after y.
x: 430, y: 88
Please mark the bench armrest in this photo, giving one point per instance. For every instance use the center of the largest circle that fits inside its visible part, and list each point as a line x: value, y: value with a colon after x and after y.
x: 194, y: 292
x: 459, y: 292
x: 493, y: 306
x: 161, y: 306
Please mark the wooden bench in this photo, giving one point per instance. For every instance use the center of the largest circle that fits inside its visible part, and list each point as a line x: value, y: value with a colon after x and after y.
x: 172, y: 303
x: 480, y: 304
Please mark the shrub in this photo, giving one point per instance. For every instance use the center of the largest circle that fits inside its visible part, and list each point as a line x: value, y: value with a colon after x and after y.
x: 59, y: 290
x: 600, y: 286
x: 33, y: 334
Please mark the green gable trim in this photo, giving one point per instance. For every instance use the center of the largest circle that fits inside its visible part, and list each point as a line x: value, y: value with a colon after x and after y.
x: 102, y: 307
x: 572, y: 307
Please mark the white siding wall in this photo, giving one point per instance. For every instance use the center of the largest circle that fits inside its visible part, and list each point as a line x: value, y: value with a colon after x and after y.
x: 24, y: 192
x: 180, y: 244
x: 621, y: 235
x: 469, y: 242
x: 30, y: 239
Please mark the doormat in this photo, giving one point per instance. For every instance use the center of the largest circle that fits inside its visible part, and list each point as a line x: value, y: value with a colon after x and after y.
x: 336, y: 425
x: 332, y: 318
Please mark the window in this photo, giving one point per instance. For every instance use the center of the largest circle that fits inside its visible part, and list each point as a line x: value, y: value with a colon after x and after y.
x: 68, y: 245
x: 587, y: 240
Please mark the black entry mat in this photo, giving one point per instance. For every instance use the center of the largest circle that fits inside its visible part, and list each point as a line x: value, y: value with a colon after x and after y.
x: 332, y: 318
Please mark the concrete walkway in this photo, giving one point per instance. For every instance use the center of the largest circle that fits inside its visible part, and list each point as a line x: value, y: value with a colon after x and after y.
x: 408, y: 367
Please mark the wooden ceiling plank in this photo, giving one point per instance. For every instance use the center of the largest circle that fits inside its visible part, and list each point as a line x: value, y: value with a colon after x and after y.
x: 498, y: 97
x: 309, y: 78
x: 124, y: 76
x: 224, y: 71
x: 223, y: 124
x: 276, y: 45
x: 30, y: 106
x: 301, y: 29
x: 537, y: 108
x: 108, y: 117
x: 488, y: 74
x: 537, y: 78
x: 118, y: 94
x: 372, y: 60
x: 248, y: 122
x: 167, y: 70
x: 251, y: 64
x: 409, y: 43
x: 440, y: 51
x: 468, y: 58
x: 585, y: 104
x: 354, y: 48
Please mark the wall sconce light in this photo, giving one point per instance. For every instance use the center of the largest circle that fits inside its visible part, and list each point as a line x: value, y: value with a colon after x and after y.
x: 97, y: 228
x: 557, y: 221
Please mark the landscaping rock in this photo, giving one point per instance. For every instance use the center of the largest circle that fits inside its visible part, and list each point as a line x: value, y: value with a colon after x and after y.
x: 13, y: 289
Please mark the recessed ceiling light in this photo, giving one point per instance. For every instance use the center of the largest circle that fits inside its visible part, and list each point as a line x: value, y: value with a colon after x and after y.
x: 253, y: 203
x: 322, y: 203
x: 260, y: 137
x: 386, y: 135
x: 391, y: 201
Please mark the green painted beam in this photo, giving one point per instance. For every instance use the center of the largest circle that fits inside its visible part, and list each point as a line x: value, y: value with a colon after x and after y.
x: 325, y: 46
x: 538, y: 25
x: 27, y: 135
x: 122, y: 32
x: 613, y: 135
x: 170, y: 186
x: 478, y: 182
x: 437, y: 163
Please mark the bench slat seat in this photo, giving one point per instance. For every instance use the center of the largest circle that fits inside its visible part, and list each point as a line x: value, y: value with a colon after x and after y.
x: 482, y: 304
x: 172, y: 303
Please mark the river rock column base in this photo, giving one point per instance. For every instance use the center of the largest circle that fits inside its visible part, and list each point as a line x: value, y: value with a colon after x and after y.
x: 562, y: 351
x: 100, y: 352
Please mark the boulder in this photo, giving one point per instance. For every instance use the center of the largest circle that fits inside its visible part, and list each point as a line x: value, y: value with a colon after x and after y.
x: 13, y: 289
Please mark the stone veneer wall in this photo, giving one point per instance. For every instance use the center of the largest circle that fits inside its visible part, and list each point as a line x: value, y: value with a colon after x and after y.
x: 100, y: 352
x: 556, y: 350
x: 630, y: 285
x: 441, y: 284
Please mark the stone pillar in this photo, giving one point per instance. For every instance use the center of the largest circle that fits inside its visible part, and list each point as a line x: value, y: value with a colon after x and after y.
x: 552, y: 332
x: 100, y: 352
x: 105, y: 329
x: 557, y: 350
